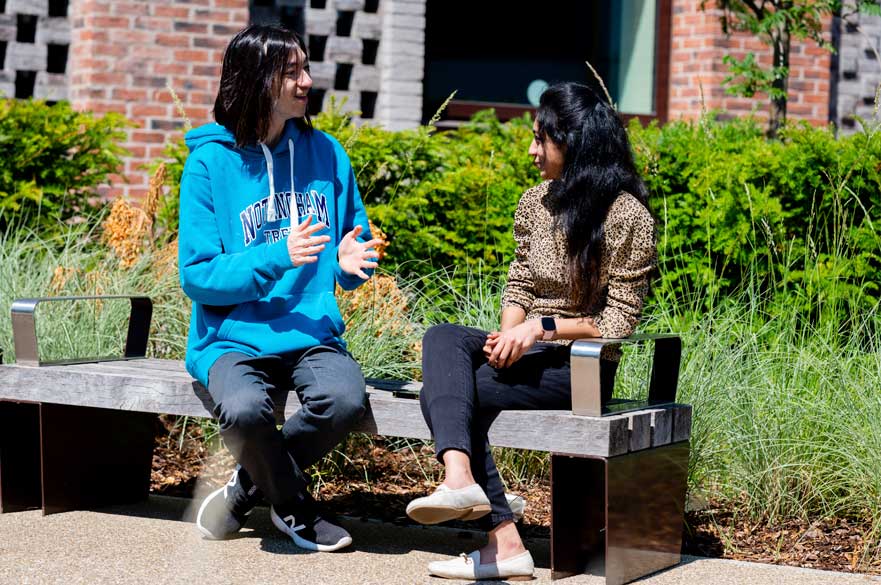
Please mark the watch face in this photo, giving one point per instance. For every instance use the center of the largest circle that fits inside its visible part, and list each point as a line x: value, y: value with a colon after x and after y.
x: 548, y: 324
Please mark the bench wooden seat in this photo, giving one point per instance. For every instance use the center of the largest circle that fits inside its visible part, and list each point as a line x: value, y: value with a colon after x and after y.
x: 164, y: 387
x: 80, y: 435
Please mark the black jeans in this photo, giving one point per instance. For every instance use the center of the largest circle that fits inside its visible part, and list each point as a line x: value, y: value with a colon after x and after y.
x: 462, y: 395
x: 333, y: 396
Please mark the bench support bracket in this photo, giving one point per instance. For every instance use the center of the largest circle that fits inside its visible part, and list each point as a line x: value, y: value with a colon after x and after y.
x: 619, y: 517
x: 73, y: 457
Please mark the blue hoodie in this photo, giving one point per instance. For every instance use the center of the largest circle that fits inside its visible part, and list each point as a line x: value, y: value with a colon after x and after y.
x: 234, y: 263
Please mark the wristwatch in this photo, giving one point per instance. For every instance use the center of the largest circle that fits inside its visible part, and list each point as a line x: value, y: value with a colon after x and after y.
x: 549, y: 328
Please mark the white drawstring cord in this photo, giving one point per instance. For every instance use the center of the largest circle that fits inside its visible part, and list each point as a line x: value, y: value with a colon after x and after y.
x: 270, y: 205
x: 271, y: 214
x: 291, y: 154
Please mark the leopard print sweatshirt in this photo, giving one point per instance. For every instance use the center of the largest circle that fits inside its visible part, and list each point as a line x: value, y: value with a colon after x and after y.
x: 539, y: 276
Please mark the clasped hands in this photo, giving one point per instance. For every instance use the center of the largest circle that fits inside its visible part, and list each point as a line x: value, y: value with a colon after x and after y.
x: 354, y: 256
x: 503, y: 348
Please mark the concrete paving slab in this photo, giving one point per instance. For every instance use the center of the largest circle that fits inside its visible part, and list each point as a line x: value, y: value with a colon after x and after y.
x: 156, y: 543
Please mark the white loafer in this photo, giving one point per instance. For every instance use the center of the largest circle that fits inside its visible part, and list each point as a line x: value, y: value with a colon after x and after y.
x: 519, y: 568
x: 517, y: 505
x: 467, y: 503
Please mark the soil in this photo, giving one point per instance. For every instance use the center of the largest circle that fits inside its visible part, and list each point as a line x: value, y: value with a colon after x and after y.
x: 376, y: 478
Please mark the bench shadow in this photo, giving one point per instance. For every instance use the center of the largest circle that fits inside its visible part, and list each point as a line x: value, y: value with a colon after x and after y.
x: 380, y: 536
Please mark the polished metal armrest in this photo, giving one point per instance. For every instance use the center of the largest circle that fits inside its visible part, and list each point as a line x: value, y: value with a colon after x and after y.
x: 24, y: 329
x: 586, y: 374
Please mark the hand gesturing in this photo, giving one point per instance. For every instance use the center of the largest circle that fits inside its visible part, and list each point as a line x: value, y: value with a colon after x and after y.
x: 303, y: 247
x: 355, y: 256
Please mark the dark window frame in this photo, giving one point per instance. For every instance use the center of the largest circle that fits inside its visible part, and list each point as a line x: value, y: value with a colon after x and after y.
x: 464, y: 109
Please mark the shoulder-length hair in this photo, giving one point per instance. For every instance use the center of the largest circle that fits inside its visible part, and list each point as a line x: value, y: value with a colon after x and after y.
x: 597, y: 167
x: 254, y: 64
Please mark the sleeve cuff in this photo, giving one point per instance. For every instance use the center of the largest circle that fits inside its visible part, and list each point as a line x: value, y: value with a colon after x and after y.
x: 349, y: 281
x: 278, y: 260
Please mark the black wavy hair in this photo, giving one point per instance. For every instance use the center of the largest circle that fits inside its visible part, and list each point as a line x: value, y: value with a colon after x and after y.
x: 597, y: 167
x: 253, y: 68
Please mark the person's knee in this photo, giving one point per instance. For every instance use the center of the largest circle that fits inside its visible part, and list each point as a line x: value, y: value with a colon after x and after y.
x: 349, y: 408
x: 441, y: 335
x: 245, y: 413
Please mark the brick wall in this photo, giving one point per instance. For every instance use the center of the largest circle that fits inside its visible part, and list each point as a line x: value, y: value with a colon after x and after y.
x: 697, y: 48
x: 124, y: 52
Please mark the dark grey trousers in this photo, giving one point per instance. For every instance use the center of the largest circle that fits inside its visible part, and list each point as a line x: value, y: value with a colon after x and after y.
x: 332, y: 392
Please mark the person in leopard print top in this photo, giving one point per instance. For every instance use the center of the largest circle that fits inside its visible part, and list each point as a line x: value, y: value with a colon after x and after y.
x: 540, y: 278
x: 585, y: 252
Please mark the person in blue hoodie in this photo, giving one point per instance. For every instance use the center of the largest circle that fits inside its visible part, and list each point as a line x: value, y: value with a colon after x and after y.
x: 270, y: 221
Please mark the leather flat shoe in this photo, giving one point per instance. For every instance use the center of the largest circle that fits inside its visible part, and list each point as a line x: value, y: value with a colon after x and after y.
x: 467, y: 503
x: 519, y: 568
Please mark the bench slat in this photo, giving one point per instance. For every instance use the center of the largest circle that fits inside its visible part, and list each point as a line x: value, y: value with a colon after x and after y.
x: 140, y: 385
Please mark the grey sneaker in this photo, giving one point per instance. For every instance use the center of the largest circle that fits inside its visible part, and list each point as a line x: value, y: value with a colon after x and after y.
x: 226, y: 510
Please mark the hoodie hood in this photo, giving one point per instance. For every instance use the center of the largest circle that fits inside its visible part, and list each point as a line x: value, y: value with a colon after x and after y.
x: 219, y: 134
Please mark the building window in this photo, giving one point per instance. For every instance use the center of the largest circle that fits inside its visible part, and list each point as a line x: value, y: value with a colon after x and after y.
x: 290, y: 14
x: 508, y: 64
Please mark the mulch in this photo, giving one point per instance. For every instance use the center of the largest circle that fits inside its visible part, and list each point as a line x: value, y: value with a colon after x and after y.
x: 376, y: 478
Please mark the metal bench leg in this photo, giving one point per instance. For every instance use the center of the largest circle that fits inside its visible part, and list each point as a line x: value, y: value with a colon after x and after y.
x: 19, y: 456
x: 94, y: 457
x: 621, y: 517
x: 578, y: 521
x: 645, y: 514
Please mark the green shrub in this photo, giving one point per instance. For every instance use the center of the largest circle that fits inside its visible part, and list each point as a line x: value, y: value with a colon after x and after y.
x: 726, y: 199
x: 51, y: 159
x: 460, y: 212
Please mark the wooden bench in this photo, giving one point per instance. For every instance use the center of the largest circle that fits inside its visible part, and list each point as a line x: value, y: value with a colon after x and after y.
x: 79, y: 435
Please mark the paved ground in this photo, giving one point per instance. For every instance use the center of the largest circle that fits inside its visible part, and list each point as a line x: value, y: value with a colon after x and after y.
x: 155, y: 543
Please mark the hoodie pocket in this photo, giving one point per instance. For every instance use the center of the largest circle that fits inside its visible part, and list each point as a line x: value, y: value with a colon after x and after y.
x: 229, y: 321
x: 284, y: 323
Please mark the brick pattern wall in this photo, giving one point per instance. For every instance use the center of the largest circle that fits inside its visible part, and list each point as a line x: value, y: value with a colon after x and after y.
x: 34, y: 42
x: 859, y: 70
x: 368, y: 55
x: 125, y: 52
x: 401, y: 63
x: 697, y: 48
x: 343, y: 37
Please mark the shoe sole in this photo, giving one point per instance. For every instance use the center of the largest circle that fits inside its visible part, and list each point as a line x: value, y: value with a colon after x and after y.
x: 481, y: 579
x: 305, y: 544
x: 438, y: 514
x: 205, y: 532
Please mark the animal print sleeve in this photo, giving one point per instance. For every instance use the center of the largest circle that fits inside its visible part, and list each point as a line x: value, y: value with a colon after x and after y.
x: 630, y: 241
x: 519, y: 292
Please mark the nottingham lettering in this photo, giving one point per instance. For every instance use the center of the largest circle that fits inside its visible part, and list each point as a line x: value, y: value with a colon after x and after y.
x: 253, y: 217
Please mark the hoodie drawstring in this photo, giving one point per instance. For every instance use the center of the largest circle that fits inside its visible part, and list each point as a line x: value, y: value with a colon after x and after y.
x: 291, y: 157
x: 271, y: 214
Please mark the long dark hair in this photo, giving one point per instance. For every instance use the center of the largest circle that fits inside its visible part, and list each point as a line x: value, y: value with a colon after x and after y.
x: 598, y: 166
x: 253, y: 67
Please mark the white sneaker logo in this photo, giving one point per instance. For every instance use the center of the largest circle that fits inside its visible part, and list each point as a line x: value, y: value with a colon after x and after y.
x: 290, y: 522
